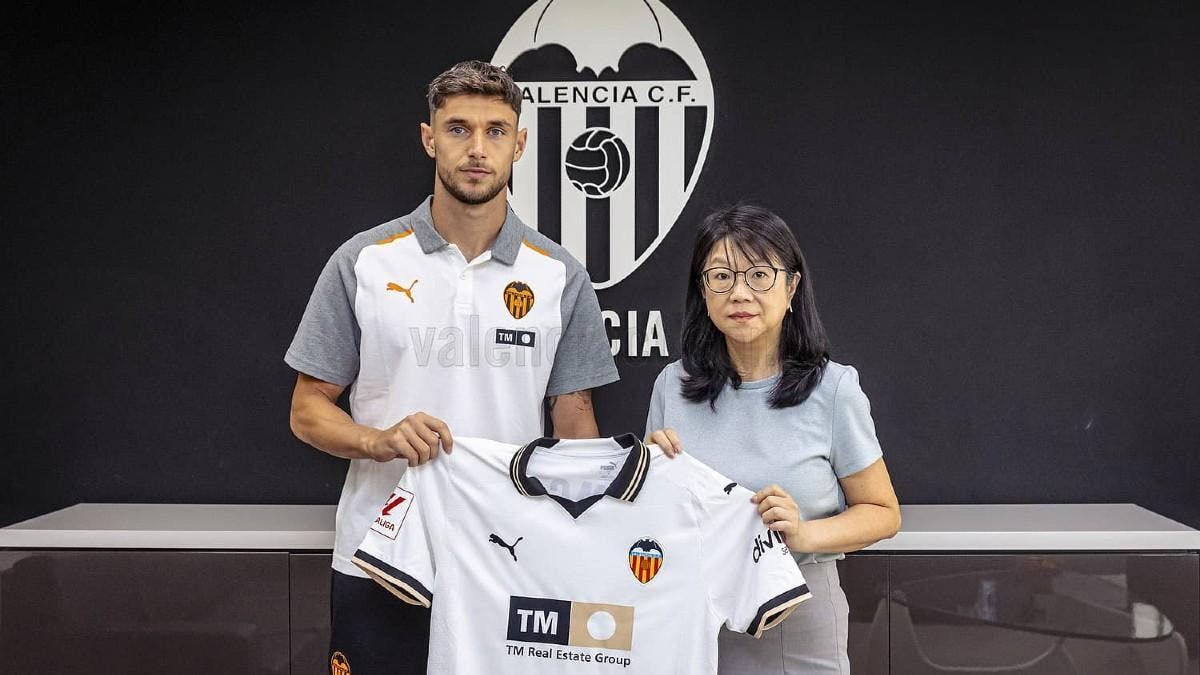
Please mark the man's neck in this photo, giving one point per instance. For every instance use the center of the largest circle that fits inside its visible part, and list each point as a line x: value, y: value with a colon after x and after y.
x: 473, y: 228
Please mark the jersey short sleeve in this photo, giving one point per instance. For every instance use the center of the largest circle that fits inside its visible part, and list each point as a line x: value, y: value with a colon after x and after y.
x: 753, y: 581
x: 326, y: 342
x: 583, y: 359
x: 853, y: 444
x: 398, y: 551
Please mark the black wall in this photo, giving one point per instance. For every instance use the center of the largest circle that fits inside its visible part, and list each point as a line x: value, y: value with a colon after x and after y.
x: 1000, y: 206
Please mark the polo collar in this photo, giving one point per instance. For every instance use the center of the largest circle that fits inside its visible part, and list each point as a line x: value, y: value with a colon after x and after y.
x: 626, y: 486
x: 504, y: 249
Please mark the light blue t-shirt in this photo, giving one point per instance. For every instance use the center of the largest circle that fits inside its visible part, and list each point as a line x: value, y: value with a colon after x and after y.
x: 804, y: 449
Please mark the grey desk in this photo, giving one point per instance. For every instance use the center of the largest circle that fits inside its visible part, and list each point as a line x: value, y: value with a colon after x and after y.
x: 975, y: 527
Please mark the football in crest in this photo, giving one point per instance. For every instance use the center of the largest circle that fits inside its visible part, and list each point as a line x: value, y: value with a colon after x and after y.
x: 597, y: 162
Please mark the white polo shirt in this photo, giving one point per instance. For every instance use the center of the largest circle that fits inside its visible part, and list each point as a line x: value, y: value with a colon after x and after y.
x: 402, y: 318
x: 578, y: 556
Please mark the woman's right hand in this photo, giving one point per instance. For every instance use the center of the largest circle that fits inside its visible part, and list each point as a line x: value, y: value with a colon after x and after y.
x: 666, y: 439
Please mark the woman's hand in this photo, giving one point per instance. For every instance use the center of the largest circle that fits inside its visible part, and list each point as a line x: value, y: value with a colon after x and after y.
x: 666, y: 439
x: 781, y: 514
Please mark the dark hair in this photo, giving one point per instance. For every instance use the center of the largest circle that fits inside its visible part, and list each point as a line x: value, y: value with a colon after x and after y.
x: 758, y: 235
x: 474, y: 77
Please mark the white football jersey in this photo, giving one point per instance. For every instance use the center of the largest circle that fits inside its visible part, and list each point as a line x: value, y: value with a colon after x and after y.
x: 578, y: 556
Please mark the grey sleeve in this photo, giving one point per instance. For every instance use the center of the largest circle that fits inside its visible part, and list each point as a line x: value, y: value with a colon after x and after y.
x: 854, y: 445
x: 326, y: 342
x: 583, y: 359
x: 656, y: 418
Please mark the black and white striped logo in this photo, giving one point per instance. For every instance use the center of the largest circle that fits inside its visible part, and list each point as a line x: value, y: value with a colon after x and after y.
x: 619, y: 108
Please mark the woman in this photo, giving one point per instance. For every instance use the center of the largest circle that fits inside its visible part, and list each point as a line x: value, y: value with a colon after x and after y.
x: 757, y: 398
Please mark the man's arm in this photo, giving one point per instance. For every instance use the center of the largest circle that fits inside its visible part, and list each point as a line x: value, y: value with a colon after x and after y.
x: 317, y: 420
x: 572, y: 415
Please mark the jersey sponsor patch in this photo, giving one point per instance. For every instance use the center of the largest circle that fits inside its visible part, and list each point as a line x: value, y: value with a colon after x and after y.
x: 764, y: 543
x: 520, y: 338
x: 563, y: 622
x: 395, y: 509
x: 645, y: 559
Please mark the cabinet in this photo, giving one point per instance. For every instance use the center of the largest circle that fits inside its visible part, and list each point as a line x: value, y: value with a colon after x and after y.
x: 997, y: 589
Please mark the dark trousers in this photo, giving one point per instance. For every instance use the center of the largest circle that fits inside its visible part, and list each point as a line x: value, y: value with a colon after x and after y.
x: 373, y: 632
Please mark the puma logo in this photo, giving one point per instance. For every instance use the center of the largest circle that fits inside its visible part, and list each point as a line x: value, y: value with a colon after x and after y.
x: 407, y: 291
x: 729, y: 488
x: 500, y: 542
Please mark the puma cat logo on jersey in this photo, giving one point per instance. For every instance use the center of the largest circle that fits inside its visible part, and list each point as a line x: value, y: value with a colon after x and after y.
x: 495, y: 539
x: 407, y: 291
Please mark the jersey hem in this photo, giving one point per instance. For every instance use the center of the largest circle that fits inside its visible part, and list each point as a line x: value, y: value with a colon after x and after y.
x: 775, y: 610
x: 853, y: 469
x: 400, y: 584
x: 302, y: 365
x: 607, y: 377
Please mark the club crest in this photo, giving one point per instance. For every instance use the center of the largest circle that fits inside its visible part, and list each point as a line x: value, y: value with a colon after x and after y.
x: 619, y: 106
x: 645, y: 559
x: 518, y: 299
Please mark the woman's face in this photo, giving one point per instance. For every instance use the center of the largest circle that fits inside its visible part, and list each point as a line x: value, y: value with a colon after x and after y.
x: 747, y: 316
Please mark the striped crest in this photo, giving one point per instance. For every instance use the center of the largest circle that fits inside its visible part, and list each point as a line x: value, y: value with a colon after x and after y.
x: 518, y: 299
x: 645, y: 559
x: 619, y: 108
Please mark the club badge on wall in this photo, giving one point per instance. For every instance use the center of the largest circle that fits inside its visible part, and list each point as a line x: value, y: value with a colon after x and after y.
x: 619, y: 106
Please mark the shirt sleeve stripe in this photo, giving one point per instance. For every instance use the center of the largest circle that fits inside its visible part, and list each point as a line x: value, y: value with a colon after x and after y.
x: 775, y: 610
x: 400, y: 584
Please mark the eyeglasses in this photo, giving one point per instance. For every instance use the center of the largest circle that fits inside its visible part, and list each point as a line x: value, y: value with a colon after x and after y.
x: 760, y: 278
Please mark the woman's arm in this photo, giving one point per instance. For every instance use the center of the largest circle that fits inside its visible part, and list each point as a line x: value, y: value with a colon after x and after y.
x: 872, y: 513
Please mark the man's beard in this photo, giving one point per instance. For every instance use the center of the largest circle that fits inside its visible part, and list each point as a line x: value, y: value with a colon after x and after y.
x: 446, y: 175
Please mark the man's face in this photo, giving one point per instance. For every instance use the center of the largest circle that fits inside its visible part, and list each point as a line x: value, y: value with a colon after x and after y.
x: 473, y: 141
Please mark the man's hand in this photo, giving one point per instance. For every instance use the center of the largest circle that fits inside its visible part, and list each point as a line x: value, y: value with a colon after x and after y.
x: 666, y: 439
x: 416, y: 438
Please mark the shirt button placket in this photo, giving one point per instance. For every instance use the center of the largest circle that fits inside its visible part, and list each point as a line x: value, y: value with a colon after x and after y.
x: 465, y: 296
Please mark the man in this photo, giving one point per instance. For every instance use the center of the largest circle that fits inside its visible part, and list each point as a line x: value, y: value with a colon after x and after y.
x: 454, y: 319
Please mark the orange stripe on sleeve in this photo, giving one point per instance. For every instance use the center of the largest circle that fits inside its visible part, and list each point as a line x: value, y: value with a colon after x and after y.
x: 395, y: 237
x: 526, y: 242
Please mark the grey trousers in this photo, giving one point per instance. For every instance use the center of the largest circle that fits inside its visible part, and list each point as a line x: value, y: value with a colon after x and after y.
x: 811, y: 640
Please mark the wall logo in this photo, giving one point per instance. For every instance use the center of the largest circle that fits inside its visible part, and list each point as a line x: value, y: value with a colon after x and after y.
x: 645, y: 559
x: 518, y: 299
x: 562, y: 622
x: 619, y: 106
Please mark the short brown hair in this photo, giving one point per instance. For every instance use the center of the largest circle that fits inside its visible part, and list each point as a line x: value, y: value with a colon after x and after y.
x: 474, y: 77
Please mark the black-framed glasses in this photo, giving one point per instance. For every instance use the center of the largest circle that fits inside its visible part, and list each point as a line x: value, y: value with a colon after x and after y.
x: 760, y: 278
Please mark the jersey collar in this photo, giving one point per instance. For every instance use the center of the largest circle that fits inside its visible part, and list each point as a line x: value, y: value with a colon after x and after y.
x: 625, y: 486
x: 504, y: 249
